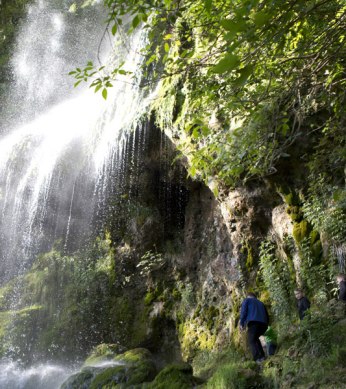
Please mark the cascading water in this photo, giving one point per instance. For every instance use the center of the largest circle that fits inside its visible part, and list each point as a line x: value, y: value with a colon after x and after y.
x: 53, y: 168
x: 62, y: 151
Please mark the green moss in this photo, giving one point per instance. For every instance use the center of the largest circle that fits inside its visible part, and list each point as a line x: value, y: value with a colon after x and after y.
x: 79, y: 380
x: 198, y: 311
x: 134, y: 367
x: 113, y: 375
x: 176, y: 294
x: 176, y: 376
x: 102, y: 352
x: 210, y: 314
x: 314, y: 236
x: 289, y: 198
x: 231, y: 376
x: 301, y: 230
x: 317, y: 251
x: 134, y: 356
x: 149, y: 298
x: 195, y: 337
x: 295, y: 213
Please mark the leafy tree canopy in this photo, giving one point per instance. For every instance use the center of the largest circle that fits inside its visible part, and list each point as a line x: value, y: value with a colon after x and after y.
x: 241, y: 81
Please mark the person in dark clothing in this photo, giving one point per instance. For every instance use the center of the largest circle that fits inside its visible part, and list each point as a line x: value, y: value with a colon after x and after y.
x: 254, y: 315
x: 303, y: 304
x: 341, y: 280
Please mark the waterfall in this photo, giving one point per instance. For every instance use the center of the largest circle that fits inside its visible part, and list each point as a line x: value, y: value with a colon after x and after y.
x: 64, y: 152
x: 13, y: 376
x: 62, y: 149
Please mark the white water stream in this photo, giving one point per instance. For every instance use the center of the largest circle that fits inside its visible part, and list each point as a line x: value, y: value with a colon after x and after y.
x: 58, y: 147
x: 54, y: 162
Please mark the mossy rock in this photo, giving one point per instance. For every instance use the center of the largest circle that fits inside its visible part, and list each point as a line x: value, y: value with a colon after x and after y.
x: 295, y: 213
x: 131, y: 368
x: 301, y: 230
x: 175, y: 376
x: 112, y: 375
x: 149, y: 297
x: 101, y: 353
x: 80, y: 380
x: 232, y: 376
x: 135, y: 367
x: 134, y: 356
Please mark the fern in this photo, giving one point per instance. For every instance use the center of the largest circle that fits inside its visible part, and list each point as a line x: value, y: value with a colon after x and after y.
x: 314, y: 276
x: 325, y: 209
x: 276, y: 277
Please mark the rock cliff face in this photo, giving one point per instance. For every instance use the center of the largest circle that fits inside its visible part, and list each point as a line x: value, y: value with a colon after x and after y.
x: 166, y: 271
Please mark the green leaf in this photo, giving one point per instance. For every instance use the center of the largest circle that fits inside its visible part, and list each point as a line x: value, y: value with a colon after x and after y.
x: 233, y: 26
x: 104, y: 93
x: 97, y: 88
x: 135, y: 21
x: 227, y: 63
x: 208, y: 4
x: 229, y: 36
x: 144, y: 17
x: 192, y: 171
x: 216, y: 191
x: 195, y: 133
x: 261, y: 18
x: 151, y: 59
x: 245, y: 73
x: 205, y: 130
x: 166, y: 47
x: 77, y: 83
x: 114, y: 29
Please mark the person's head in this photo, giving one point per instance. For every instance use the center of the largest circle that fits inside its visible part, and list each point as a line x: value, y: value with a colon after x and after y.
x: 340, y: 277
x: 251, y: 295
x: 299, y: 293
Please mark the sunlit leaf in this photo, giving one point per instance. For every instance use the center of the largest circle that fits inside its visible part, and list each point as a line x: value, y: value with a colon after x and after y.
x: 233, y: 26
x: 77, y: 83
x: 208, y: 4
x: 104, y: 93
x: 261, y: 18
x: 227, y: 63
x: 245, y: 73
x: 98, y: 87
x: 135, y: 21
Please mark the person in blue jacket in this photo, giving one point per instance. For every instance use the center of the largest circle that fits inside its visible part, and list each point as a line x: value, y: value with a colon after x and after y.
x: 254, y: 315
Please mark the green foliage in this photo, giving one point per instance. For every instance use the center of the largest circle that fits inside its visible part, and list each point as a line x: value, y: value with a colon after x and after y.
x: 102, y: 352
x: 235, y: 90
x: 11, y: 13
x: 325, y: 208
x: 277, y: 280
x: 313, y: 273
x: 300, y: 230
x: 78, y: 304
x: 101, y: 76
x: 176, y: 376
x: 231, y: 377
x: 150, y: 262
x: 317, y: 331
x: 258, y: 115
